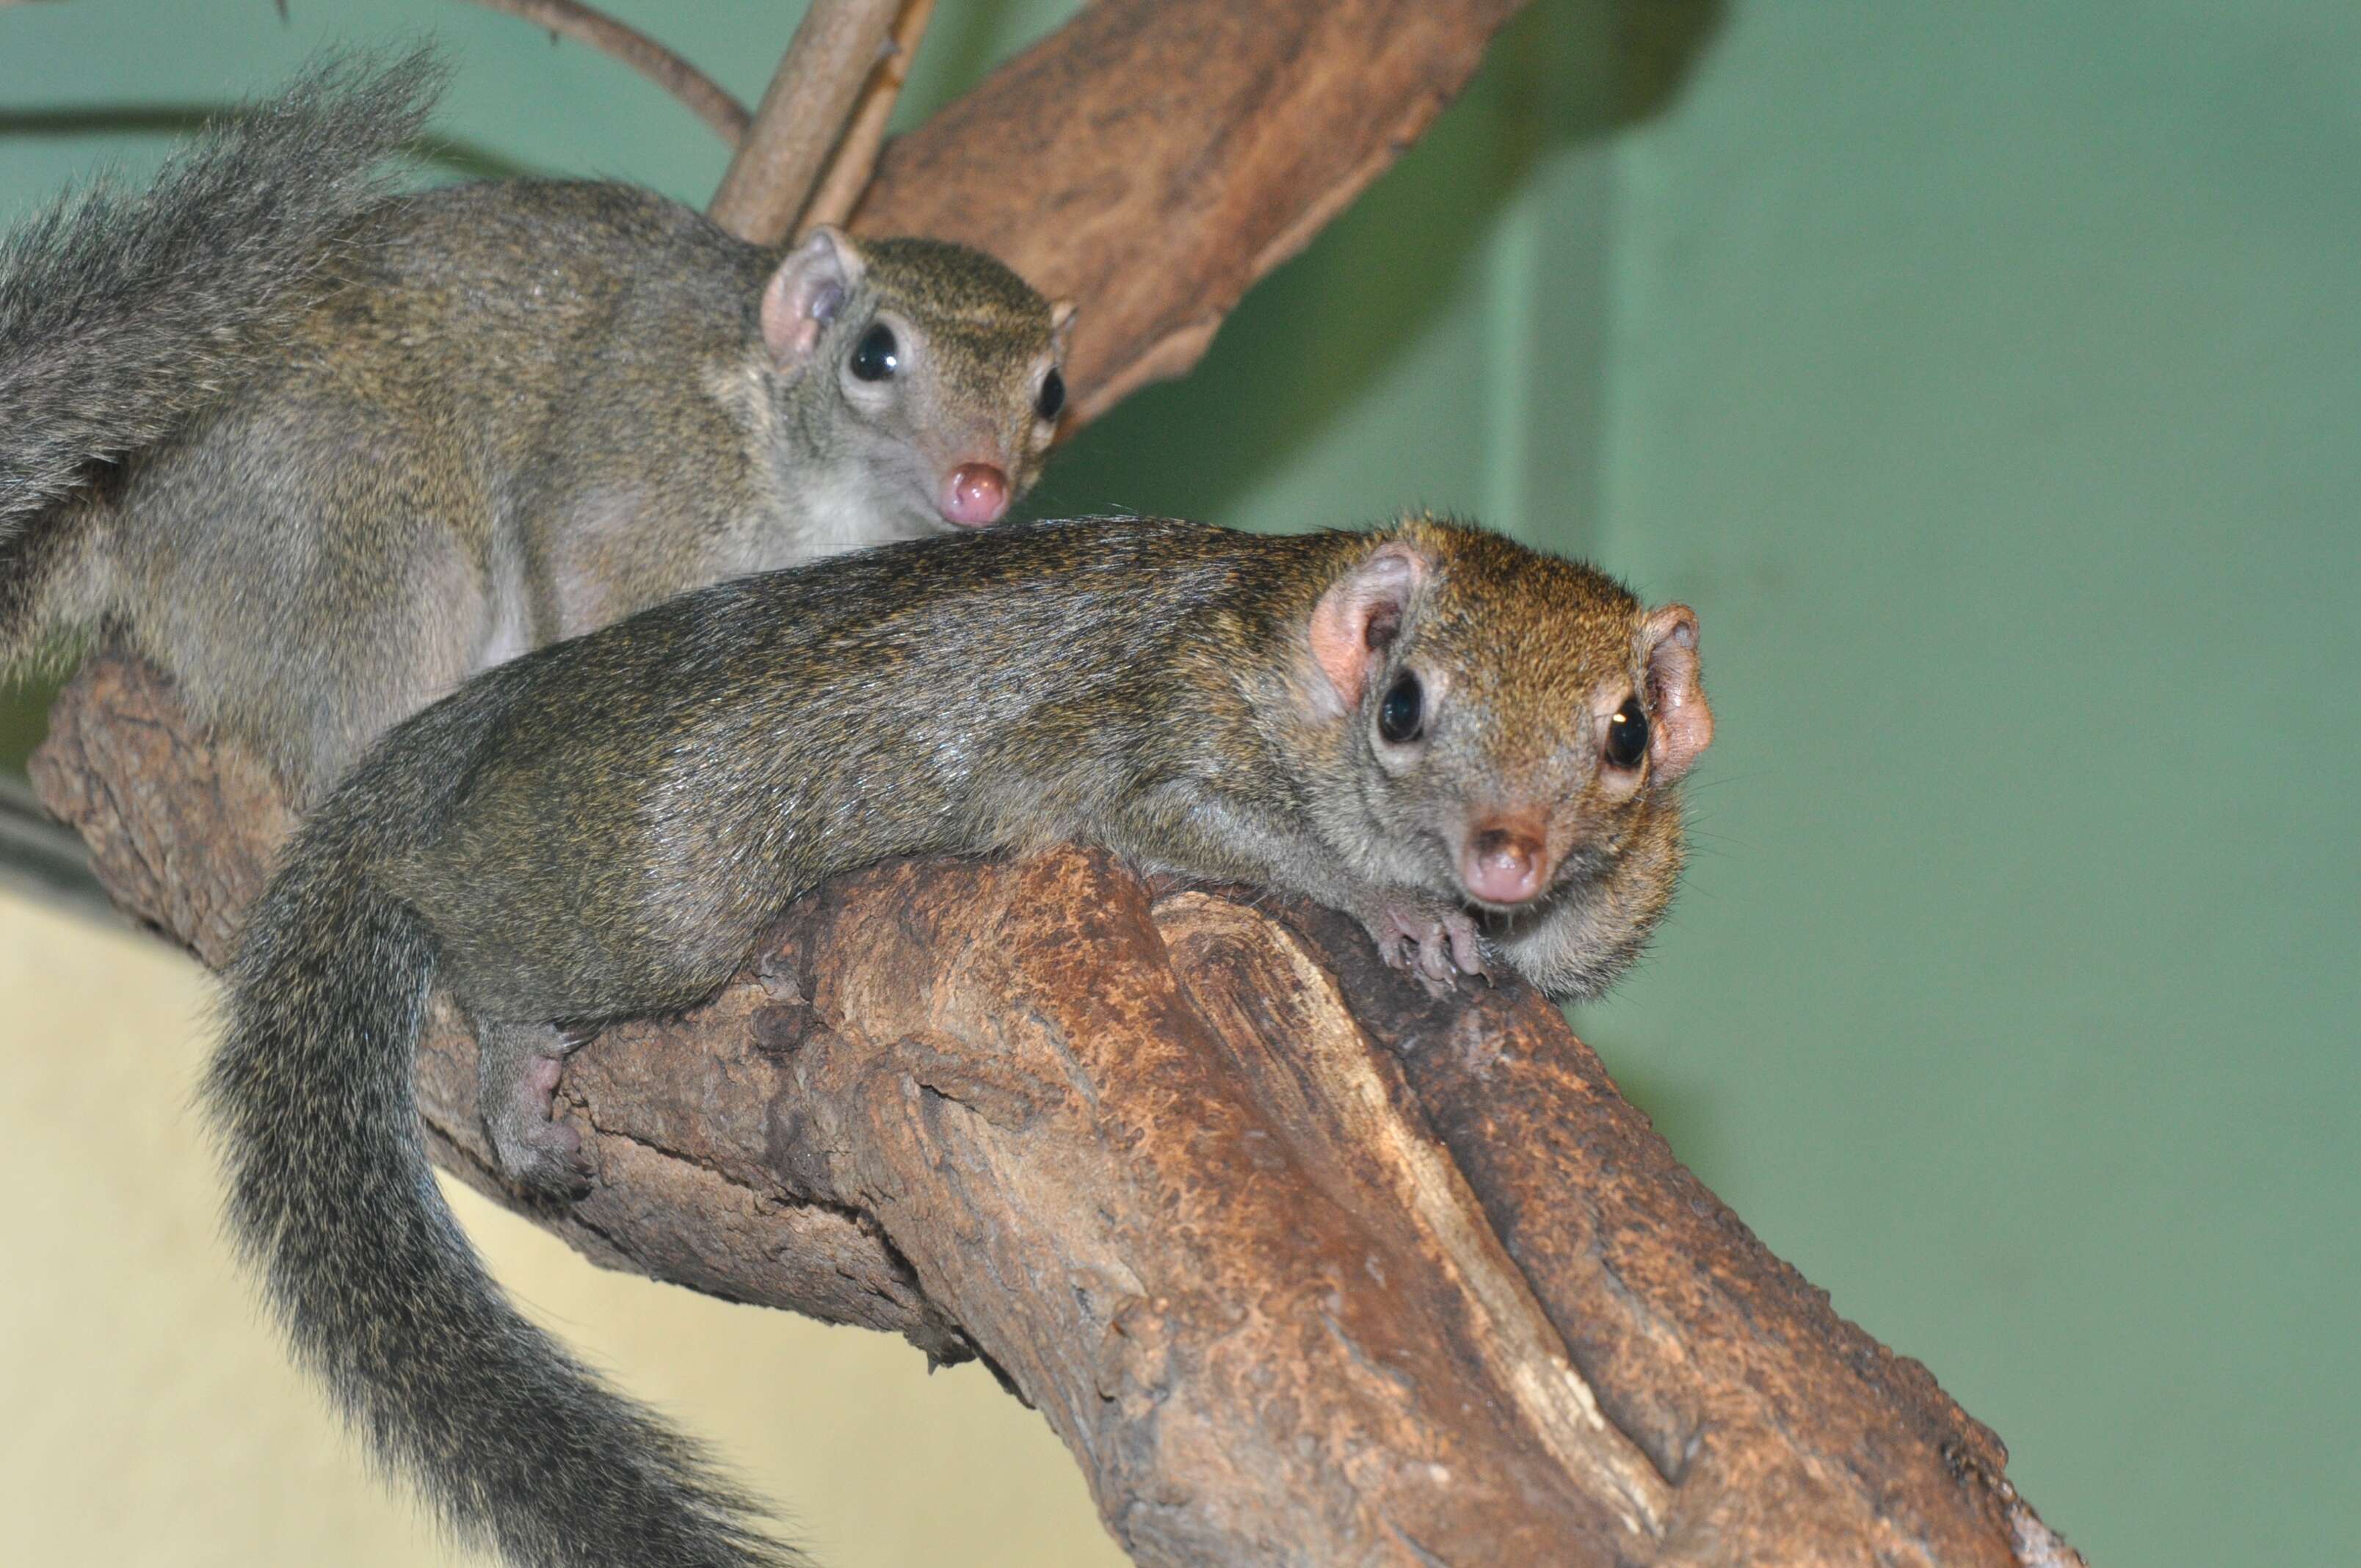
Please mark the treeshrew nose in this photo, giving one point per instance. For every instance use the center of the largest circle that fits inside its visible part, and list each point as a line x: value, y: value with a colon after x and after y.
x: 977, y: 497
x: 1503, y: 863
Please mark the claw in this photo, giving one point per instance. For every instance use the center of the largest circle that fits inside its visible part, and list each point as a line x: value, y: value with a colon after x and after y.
x: 1433, y: 946
x: 533, y: 1146
x: 1465, y: 950
x: 518, y: 1086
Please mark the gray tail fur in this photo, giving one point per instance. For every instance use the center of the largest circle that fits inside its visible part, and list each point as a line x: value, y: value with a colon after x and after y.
x: 331, y: 1196
x: 123, y: 314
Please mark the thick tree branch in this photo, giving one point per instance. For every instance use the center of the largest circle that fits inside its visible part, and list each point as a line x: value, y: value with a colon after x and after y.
x: 1303, y: 1266
x: 803, y: 113
x: 1153, y: 159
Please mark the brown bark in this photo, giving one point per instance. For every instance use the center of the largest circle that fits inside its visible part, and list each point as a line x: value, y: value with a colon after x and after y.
x: 854, y: 163
x: 802, y: 115
x: 1304, y: 1266
x: 1152, y: 158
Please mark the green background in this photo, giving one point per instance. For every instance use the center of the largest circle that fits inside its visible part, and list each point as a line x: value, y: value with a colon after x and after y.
x: 1989, y: 377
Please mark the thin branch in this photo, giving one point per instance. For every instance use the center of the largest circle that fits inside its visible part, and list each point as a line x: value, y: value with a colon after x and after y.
x: 803, y: 113
x: 706, y: 98
x: 848, y: 172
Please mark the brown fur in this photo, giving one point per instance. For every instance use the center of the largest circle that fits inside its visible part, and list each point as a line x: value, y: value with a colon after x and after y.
x: 600, y: 830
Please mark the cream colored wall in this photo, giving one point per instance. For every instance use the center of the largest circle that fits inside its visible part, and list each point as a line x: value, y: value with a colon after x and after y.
x: 151, y: 1418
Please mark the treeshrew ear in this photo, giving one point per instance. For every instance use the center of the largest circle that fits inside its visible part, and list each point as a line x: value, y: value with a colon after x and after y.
x: 807, y: 291
x: 1361, y: 614
x: 1061, y: 325
x: 1680, y: 724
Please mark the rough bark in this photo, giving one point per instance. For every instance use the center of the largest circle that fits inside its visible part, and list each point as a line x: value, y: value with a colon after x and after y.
x: 1304, y: 1266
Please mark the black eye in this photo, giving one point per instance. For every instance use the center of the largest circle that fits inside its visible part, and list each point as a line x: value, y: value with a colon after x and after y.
x: 1627, y: 734
x: 877, y: 356
x: 1404, y: 708
x: 1053, y: 396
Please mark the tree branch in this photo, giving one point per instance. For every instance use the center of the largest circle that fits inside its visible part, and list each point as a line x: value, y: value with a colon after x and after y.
x: 706, y: 98
x: 836, y: 47
x: 1282, y: 1248
x: 849, y: 171
x: 1152, y: 158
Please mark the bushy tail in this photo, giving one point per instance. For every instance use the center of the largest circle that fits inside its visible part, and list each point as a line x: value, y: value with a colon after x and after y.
x: 123, y: 314
x: 331, y: 1198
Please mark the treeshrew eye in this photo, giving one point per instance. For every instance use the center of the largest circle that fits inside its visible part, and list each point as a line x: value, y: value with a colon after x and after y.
x: 877, y: 356
x: 1403, y: 710
x: 1053, y: 396
x: 1627, y: 734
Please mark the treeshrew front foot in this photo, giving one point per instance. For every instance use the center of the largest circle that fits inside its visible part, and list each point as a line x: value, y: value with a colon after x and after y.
x: 1433, y: 944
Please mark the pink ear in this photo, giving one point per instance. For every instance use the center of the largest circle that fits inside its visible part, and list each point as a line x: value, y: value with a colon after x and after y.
x: 1361, y: 614
x: 1062, y: 325
x: 805, y: 294
x: 1680, y: 724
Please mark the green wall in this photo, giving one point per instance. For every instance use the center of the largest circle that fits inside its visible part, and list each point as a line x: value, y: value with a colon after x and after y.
x: 1987, y: 376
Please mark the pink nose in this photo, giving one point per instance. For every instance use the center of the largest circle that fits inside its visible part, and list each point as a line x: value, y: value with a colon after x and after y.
x: 977, y: 497
x: 1504, y: 862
